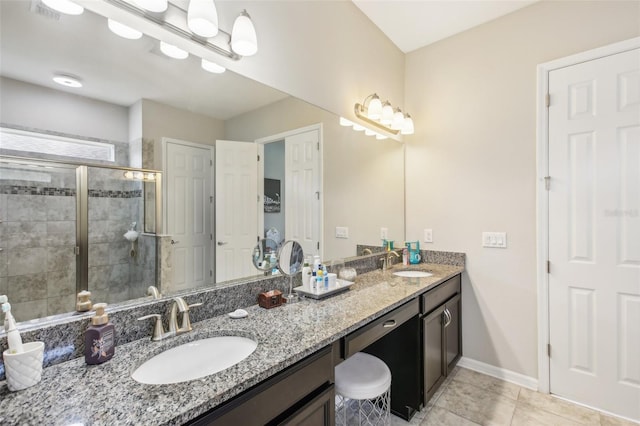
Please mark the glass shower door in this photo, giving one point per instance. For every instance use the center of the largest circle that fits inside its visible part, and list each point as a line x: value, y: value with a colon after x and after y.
x: 38, y: 210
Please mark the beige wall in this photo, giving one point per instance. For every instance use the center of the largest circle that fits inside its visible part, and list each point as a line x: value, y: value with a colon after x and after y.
x: 471, y: 163
x: 159, y: 120
x: 362, y: 176
x: 38, y: 107
x: 325, y: 52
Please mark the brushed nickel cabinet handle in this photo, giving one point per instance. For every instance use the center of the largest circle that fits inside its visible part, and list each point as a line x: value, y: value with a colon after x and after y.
x: 389, y: 324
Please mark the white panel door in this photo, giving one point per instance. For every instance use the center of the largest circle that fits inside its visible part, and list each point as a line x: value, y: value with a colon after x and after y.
x: 302, y: 190
x: 188, y: 177
x: 594, y: 233
x: 236, y: 208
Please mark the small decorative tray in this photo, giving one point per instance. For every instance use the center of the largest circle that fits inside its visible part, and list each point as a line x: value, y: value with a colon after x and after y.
x: 341, y: 285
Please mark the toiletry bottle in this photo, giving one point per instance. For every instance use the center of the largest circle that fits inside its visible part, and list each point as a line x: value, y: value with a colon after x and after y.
x: 312, y: 281
x: 319, y: 279
x: 325, y: 274
x: 306, y: 273
x: 100, y: 337
x: 405, y: 256
x: 13, y: 335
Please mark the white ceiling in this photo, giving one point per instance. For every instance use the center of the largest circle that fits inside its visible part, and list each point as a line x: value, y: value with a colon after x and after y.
x: 412, y: 24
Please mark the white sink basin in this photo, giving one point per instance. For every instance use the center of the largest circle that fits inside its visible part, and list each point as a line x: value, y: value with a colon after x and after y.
x: 194, y: 360
x: 412, y: 274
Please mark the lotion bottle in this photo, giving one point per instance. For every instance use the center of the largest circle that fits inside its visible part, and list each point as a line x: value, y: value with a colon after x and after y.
x: 100, y: 337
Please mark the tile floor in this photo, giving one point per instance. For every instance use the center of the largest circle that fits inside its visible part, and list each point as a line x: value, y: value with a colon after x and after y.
x: 468, y: 398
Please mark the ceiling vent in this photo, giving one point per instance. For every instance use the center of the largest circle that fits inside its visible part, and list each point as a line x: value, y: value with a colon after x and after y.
x: 40, y: 8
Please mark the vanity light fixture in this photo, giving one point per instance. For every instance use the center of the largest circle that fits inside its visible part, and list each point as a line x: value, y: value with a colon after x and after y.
x: 244, y: 41
x: 358, y: 128
x: 212, y: 67
x: 64, y: 6
x: 197, y: 25
x: 173, y: 51
x: 67, y: 80
x: 157, y: 6
x: 137, y: 175
x: 384, y: 116
x: 202, y: 18
x: 123, y: 30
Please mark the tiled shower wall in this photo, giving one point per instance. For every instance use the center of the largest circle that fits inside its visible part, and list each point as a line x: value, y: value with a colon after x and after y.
x: 38, y: 236
x: 118, y: 270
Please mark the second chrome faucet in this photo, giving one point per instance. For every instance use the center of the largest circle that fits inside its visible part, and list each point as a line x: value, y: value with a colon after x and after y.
x: 179, y: 306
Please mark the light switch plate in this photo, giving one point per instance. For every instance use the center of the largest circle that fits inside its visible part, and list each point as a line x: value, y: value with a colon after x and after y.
x: 384, y: 233
x: 428, y: 235
x: 494, y: 239
x: 342, y: 232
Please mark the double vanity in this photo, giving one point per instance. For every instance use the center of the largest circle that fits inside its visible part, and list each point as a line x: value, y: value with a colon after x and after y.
x: 287, y: 379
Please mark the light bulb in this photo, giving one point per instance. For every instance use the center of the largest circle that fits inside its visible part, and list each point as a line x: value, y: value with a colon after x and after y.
x: 374, y: 110
x: 64, y: 6
x: 387, y: 114
x: 244, y: 41
x: 212, y: 67
x: 123, y: 30
x: 345, y: 122
x: 157, y: 6
x: 173, y: 51
x: 407, y: 128
x: 202, y: 18
x: 398, y: 120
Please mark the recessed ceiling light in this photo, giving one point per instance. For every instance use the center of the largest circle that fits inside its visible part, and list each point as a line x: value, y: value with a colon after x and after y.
x: 212, y: 67
x: 123, y: 30
x: 67, y: 80
x: 64, y: 6
x: 173, y: 51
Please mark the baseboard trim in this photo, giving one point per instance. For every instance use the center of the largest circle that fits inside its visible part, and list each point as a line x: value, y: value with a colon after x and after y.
x: 500, y: 373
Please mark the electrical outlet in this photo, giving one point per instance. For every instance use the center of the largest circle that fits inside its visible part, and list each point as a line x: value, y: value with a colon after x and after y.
x: 342, y: 232
x: 494, y: 239
x: 428, y: 235
x: 384, y: 233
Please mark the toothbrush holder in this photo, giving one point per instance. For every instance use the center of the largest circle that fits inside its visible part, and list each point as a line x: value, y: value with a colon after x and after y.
x: 24, y: 369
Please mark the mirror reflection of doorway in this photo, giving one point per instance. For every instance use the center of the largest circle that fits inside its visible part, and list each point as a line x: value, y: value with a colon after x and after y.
x: 293, y: 158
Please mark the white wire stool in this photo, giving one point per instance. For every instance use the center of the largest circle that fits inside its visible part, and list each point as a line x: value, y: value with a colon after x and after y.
x: 363, y: 391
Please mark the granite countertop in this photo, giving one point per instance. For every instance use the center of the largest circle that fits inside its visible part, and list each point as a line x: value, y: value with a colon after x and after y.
x: 74, y: 393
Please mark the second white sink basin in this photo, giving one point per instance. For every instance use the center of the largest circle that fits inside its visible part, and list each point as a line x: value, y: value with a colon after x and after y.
x: 412, y: 274
x: 194, y: 360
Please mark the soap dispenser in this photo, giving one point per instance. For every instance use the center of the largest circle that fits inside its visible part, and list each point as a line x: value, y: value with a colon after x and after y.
x: 100, y: 337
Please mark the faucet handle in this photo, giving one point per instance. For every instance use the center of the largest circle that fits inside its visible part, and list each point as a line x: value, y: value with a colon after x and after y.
x: 158, y: 331
x: 185, y: 325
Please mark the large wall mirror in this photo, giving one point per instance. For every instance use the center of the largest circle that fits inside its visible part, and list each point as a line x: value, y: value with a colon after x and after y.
x: 171, y: 115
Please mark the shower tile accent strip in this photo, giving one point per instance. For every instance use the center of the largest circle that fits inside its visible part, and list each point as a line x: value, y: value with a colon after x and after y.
x: 67, y: 192
x: 63, y: 334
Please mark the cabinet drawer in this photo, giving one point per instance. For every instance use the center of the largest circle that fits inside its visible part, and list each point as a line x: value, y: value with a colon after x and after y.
x: 437, y: 296
x: 266, y: 401
x: 373, y: 331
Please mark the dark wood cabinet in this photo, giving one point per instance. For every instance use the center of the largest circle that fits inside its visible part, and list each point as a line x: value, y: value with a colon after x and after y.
x: 441, y: 333
x: 297, y: 393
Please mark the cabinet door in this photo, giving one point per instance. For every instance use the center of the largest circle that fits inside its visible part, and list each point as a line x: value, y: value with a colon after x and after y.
x: 435, y: 369
x: 318, y: 412
x: 453, y: 335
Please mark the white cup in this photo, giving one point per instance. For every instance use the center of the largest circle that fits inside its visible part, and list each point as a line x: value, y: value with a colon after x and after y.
x: 333, y: 279
x: 24, y: 369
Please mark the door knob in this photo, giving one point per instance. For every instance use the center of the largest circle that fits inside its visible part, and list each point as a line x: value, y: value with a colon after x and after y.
x: 174, y: 242
x: 221, y: 243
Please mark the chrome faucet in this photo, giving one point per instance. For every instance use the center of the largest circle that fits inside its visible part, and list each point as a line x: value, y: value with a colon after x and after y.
x: 387, y: 260
x: 179, y: 305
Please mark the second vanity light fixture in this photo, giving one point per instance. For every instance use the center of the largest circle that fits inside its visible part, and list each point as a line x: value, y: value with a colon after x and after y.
x: 384, y: 116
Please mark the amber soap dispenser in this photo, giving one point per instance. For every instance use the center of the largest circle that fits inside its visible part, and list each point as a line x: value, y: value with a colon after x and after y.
x: 100, y: 337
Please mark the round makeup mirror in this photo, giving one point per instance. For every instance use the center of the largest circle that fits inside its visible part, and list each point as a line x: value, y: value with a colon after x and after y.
x: 290, y: 261
x: 265, y: 255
